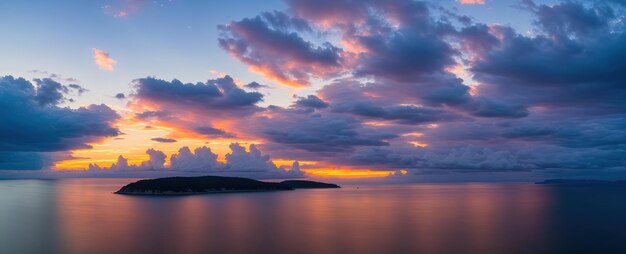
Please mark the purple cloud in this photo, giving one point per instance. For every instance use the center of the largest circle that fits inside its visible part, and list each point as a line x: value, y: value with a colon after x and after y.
x: 33, y: 122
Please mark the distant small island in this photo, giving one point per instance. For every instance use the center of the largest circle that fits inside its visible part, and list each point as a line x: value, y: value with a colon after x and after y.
x: 212, y: 184
x: 580, y: 182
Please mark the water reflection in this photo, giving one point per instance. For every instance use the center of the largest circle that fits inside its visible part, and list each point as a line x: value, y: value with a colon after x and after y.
x: 82, y: 216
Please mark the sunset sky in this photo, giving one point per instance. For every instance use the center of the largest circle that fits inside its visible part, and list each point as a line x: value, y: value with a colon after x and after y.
x: 345, y: 88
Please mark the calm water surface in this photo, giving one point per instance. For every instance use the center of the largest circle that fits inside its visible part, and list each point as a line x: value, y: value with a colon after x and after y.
x: 82, y: 216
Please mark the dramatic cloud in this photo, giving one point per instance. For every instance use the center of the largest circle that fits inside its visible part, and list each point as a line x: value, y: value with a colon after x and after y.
x: 25, y: 160
x: 220, y: 94
x: 407, y: 85
x: 403, y: 98
x: 33, y: 122
x: 202, y: 159
x: 201, y: 109
x: 103, y: 60
x: 239, y: 162
x: 49, y: 92
x: 572, y: 64
x: 317, y: 133
x: 156, y: 161
x: 269, y: 44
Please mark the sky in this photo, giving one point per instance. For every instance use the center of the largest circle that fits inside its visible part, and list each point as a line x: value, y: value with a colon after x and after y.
x: 395, y: 89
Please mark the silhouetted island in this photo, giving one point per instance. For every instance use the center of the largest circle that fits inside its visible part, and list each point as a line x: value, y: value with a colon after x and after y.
x: 302, y: 184
x: 212, y: 184
x: 580, y: 181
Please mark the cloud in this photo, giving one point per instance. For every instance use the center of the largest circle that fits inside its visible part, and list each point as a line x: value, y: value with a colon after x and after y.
x: 392, y: 96
x: 202, y: 159
x: 311, y: 101
x: 323, y: 133
x: 221, y: 94
x: 255, y: 85
x: 164, y: 140
x: 25, y: 160
x: 213, y: 132
x: 239, y: 162
x: 471, y: 1
x: 523, y: 115
x: 120, y: 96
x: 49, y: 92
x: 156, y: 160
x: 240, y: 159
x: 79, y: 89
x: 572, y: 64
x: 269, y: 46
x: 33, y: 122
x: 103, y: 60
x: 121, y: 164
x: 122, y: 8
x: 193, y: 109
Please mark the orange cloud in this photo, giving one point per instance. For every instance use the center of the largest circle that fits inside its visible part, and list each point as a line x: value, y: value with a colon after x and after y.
x: 471, y: 1
x: 103, y: 60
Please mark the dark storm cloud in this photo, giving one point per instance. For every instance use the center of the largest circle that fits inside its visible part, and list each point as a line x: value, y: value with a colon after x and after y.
x: 25, y: 160
x: 575, y: 62
x: 33, y: 122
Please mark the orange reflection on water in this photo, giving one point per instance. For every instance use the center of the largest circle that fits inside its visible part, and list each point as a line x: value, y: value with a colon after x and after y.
x: 407, y: 218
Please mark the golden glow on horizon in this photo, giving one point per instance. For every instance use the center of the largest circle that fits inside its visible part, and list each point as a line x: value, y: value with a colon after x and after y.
x: 137, y: 135
x: 346, y: 173
x: 136, y: 139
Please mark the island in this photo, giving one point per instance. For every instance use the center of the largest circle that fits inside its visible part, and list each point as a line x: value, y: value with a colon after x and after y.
x: 302, y: 184
x: 212, y: 184
x: 581, y: 182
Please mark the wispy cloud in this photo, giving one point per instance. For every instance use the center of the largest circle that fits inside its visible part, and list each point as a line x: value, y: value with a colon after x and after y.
x: 103, y: 60
x: 471, y: 1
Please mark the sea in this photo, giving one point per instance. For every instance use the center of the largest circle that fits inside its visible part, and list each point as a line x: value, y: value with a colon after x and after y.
x: 84, y: 216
